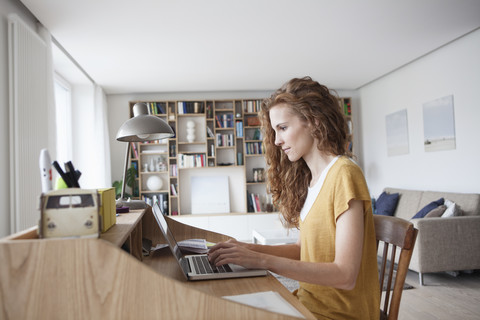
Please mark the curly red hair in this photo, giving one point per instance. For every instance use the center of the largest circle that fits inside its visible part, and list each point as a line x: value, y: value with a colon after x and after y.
x: 315, y: 104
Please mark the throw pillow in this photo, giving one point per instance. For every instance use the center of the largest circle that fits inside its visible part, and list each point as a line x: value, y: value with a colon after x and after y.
x: 452, y: 209
x: 437, y: 212
x: 429, y: 207
x: 386, y: 204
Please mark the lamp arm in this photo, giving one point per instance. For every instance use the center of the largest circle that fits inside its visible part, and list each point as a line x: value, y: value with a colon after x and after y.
x: 122, y: 196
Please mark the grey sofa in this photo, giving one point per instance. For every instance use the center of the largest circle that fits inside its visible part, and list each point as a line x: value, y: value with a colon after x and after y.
x: 443, y: 244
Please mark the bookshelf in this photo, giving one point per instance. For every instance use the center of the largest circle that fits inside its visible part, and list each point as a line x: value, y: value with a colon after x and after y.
x: 210, y: 135
x: 346, y: 106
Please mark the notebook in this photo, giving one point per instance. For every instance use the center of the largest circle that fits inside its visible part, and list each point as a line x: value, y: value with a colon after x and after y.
x: 197, y: 267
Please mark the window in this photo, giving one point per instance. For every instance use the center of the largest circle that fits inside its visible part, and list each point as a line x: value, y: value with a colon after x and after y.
x: 63, y: 119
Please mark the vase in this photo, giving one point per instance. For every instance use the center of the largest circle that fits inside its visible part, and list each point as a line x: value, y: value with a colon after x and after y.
x: 190, y: 131
x: 151, y: 168
x: 154, y: 183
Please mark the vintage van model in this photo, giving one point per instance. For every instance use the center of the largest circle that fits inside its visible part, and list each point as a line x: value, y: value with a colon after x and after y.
x: 69, y: 213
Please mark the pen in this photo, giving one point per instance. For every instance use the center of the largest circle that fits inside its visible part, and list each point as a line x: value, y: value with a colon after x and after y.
x: 70, y: 171
x: 65, y: 178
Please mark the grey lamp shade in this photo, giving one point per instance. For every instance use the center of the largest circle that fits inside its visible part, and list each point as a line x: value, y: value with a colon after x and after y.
x: 144, y: 127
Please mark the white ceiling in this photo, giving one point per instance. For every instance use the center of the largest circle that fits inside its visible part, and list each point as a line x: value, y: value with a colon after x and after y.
x: 222, y: 45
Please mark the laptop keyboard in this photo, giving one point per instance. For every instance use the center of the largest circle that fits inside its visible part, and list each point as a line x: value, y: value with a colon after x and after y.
x: 203, y: 266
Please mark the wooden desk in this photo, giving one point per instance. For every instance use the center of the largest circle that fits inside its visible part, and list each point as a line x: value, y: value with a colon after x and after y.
x: 94, y: 279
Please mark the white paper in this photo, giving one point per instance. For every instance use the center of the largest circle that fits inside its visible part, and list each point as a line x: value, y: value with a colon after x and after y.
x: 268, y: 300
x: 194, y: 245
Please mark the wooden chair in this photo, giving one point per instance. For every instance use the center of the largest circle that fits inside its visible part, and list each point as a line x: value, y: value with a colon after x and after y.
x: 394, y: 233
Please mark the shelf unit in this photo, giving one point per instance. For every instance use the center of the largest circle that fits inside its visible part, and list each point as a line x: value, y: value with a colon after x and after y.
x: 346, y: 105
x: 209, y: 134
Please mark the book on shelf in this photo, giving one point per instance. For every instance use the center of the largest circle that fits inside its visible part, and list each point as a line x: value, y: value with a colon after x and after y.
x: 173, y: 189
x: 156, y: 108
x: 240, y: 159
x: 160, y: 198
x: 133, y: 146
x: 254, y: 148
x: 209, y: 132
x: 224, y: 120
x: 172, y: 150
x: 173, y: 170
x: 239, y: 128
x: 191, y: 160
x: 189, y: 107
x: 212, y: 150
x: 251, y: 106
x: 253, y: 202
x: 224, y: 140
x: 219, y: 124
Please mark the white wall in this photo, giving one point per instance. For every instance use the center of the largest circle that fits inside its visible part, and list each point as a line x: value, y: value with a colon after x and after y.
x: 451, y: 70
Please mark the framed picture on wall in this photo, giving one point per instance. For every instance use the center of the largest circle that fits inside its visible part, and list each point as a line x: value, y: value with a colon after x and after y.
x: 397, y: 133
x: 439, y: 124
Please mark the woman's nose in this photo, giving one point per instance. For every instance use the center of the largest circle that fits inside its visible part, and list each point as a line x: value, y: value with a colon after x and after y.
x: 278, y: 140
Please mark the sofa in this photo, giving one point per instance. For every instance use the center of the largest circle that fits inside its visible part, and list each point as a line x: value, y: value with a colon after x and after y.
x: 448, y: 243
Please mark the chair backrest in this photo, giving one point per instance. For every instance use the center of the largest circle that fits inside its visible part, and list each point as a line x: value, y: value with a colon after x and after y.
x: 396, y: 234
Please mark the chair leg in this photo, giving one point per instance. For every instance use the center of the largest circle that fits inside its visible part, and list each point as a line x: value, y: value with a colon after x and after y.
x: 420, y: 278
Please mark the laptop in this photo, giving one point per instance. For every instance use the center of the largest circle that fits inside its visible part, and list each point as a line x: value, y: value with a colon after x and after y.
x: 197, y: 267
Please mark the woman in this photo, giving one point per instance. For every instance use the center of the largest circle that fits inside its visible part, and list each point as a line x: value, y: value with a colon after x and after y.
x: 320, y: 190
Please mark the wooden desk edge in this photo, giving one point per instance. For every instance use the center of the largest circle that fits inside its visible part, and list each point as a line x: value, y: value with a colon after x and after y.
x: 129, y: 224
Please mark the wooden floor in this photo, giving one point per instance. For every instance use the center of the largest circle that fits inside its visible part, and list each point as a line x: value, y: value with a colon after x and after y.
x: 442, y: 297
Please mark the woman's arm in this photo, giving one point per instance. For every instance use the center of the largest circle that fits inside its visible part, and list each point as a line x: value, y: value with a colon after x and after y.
x: 290, y: 251
x: 341, y: 273
x: 248, y: 254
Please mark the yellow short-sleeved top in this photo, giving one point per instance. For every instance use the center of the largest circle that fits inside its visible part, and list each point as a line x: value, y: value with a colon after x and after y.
x: 343, y: 182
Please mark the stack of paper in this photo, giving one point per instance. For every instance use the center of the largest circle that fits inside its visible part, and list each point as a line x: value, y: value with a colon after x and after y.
x: 268, y: 300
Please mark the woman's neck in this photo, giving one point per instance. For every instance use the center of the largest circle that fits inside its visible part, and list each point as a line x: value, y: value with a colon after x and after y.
x: 317, y: 164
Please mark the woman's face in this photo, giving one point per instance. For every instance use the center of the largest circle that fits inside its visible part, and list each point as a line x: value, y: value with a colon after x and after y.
x: 291, y: 133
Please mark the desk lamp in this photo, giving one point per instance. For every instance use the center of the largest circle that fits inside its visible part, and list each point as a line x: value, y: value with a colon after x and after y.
x: 142, y: 127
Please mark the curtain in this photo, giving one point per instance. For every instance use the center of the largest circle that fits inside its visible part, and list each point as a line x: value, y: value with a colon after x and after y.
x: 103, y: 165
x: 45, y: 35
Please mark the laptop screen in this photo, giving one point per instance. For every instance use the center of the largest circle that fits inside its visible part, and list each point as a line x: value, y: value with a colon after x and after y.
x: 166, y: 231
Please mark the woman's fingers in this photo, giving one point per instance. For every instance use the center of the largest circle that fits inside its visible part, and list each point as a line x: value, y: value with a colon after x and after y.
x: 236, y: 254
x: 217, y: 250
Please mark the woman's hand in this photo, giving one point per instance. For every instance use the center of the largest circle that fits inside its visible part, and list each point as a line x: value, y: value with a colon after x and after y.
x: 235, y: 252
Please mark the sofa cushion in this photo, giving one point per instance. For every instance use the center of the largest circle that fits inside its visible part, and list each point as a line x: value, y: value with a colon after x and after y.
x: 386, y: 204
x: 452, y: 209
x: 429, y: 207
x: 468, y: 202
x: 437, y: 212
x: 408, y: 203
